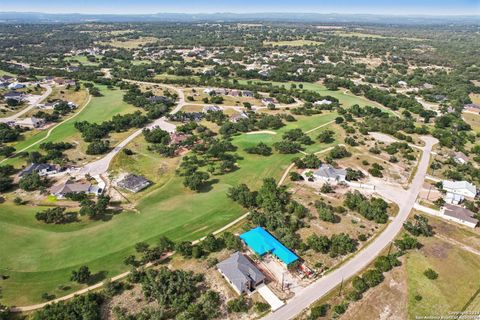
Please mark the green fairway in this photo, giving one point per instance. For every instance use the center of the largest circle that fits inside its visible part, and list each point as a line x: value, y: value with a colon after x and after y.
x: 42, y: 256
x: 99, y: 109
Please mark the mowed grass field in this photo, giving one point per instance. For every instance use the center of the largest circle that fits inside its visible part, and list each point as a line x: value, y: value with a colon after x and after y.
x: 98, y: 110
x: 457, y: 283
x: 38, y: 257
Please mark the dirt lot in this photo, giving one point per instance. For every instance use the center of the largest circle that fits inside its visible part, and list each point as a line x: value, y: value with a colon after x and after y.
x: 350, y: 222
x: 384, y: 302
x: 134, y: 301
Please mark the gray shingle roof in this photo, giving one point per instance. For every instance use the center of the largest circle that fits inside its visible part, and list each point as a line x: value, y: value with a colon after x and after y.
x: 328, y: 171
x: 240, y: 271
x: 460, y: 213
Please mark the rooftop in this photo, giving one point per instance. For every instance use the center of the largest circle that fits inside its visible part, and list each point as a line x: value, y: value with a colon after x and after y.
x: 262, y: 242
x: 460, y: 213
x: 239, y: 270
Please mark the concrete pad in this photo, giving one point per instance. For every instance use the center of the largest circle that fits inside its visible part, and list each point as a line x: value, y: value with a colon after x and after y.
x: 267, y: 294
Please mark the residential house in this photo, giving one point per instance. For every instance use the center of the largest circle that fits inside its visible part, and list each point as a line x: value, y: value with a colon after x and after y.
x: 161, y: 99
x: 322, y: 102
x: 133, y: 183
x: 267, y: 101
x: 211, y: 108
x: 234, y: 93
x: 73, y: 68
x: 31, y: 123
x: 237, y: 117
x: 264, y: 73
x: 43, y: 169
x: 460, y: 157
x: 459, y: 215
x: 209, y: 91
x: 69, y: 186
x: 329, y: 174
x: 463, y: 188
x: 15, y: 86
x: 240, y: 273
x: 12, y: 95
x: 247, y: 93
x: 453, y: 198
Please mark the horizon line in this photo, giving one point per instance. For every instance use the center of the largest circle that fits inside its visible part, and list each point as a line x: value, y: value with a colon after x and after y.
x: 250, y: 13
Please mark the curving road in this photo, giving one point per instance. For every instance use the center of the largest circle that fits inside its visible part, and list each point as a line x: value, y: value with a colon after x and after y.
x: 32, y: 105
x: 405, y: 200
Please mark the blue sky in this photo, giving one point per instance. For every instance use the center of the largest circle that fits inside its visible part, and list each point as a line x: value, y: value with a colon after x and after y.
x: 431, y: 7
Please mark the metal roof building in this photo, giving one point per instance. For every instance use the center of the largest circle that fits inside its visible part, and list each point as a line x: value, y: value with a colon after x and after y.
x: 262, y: 242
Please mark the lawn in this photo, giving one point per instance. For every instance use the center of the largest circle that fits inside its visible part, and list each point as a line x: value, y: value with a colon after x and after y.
x: 456, y: 284
x: 99, y: 109
x: 473, y: 120
x: 82, y: 59
x: 42, y: 257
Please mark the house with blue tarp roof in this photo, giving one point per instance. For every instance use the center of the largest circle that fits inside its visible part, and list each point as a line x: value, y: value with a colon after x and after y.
x: 262, y: 242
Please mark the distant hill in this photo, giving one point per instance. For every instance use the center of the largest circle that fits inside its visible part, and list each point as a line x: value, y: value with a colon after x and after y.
x: 37, y: 17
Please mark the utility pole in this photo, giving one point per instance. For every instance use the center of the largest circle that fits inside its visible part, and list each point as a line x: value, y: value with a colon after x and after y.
x: 341, y: 287
x: 390, y: 248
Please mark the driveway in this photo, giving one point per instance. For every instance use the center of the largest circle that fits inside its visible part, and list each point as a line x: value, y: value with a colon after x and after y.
x: 405, y: 199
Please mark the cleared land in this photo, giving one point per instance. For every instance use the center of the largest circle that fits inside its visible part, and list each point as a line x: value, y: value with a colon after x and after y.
x: 293, y: 43
x: 42, y: 257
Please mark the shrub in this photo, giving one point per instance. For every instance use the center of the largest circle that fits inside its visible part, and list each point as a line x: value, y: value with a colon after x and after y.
x: 319, y: 311
x: 431, y: 274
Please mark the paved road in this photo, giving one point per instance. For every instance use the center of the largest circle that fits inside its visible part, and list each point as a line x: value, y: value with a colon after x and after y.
x: 405, y: 200
x: 32, y: 105
x: 100, y: 166
x: 49, y: 131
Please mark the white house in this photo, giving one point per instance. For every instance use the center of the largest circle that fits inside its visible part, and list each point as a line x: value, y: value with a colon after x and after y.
x: 329, y: 174
x: 453, y: 198
x: 463, y: 188
x: 15, y: 86
x: 322, y: 102
x: 460, y: 157
x: 209, y: 91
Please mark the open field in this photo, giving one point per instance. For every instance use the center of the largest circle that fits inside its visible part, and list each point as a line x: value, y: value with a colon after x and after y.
x: 292, y: 43
x: 457, y: 282
x: 130, y: 43
x: 82, y: 59
x: 473, y: 120
x: 369, y: 35
x: 475, y: 97
x: 42, y: 257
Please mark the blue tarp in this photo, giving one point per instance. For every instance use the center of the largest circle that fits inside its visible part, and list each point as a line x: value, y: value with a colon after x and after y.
x: 261, y: 242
